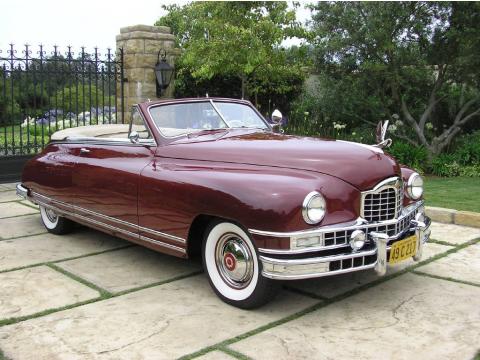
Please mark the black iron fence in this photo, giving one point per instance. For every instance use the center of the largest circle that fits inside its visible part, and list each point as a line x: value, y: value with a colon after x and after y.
x: 42, y: 92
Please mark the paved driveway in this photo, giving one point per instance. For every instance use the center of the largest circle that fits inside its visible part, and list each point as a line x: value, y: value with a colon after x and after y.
x: 91, y: 296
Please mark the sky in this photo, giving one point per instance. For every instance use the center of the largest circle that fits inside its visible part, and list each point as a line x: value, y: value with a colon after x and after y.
x: 94, y: 23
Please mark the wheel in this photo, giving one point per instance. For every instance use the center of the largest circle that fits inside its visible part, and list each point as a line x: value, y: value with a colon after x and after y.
x: 234, y: 271
x: 54, y: 223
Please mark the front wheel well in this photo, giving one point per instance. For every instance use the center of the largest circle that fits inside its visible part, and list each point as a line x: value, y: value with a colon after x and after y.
x: 196, y: 233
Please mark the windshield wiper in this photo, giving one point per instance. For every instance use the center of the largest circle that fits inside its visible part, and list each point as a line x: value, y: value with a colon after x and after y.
x: 205, y: 131
x: 249, y: 127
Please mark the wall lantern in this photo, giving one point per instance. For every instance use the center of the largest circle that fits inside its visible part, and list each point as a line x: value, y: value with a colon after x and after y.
x: 163, y: 72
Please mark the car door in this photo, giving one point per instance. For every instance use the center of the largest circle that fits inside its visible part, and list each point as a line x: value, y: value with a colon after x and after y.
x: 106, y: 177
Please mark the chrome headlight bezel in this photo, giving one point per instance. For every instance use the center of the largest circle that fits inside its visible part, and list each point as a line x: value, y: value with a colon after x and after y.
x: 415, y: 186
x: 314, y: 208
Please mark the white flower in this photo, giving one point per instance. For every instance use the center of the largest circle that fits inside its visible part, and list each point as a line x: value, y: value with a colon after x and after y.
x: 354, y: 133
x: 399, y: 122
x: 28, y: 121
x: 392, y: 128
x: 395, y: 116
x: 306, y: 113
x: 429, y: 126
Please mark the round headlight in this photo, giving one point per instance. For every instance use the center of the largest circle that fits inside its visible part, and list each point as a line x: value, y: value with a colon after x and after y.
x: 314, y: 208
x: 415, y: 186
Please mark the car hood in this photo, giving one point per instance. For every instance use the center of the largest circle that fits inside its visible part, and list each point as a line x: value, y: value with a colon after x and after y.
x: 360, y: 165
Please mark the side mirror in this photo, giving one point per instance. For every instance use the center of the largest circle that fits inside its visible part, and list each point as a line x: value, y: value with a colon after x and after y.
x: 277, y: 121
x: 134, y: 137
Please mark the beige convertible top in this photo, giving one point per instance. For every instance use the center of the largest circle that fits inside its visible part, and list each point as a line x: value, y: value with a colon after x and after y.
x: 118, y: 131
x: 95, y: 131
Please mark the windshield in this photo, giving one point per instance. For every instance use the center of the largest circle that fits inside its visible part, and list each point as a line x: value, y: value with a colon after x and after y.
x: 180, y: 119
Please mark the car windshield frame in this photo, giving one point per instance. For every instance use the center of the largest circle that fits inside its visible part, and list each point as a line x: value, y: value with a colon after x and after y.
x: 262, y: 124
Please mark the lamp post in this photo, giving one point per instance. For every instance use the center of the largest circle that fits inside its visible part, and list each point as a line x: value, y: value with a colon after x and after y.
x: 163, y: 72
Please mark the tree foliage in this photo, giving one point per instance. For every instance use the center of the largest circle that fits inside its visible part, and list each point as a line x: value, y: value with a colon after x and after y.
x: 413, y: 60
x: 236, y: 40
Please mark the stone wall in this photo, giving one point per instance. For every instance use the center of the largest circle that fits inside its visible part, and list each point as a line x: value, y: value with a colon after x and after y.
x: 141, y: 44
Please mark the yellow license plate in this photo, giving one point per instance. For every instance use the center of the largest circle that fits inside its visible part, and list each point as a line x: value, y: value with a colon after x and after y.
x: 403, y: 249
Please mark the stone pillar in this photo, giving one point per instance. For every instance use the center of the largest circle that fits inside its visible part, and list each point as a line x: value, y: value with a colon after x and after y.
x: 141, y: 44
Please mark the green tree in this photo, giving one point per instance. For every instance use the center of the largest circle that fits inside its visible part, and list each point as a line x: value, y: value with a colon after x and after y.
x: 415, y: 59
x: 78, y: 98
x: 235, y: 39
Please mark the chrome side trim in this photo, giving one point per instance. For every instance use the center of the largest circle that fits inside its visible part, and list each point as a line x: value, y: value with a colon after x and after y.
x: 162, y: 234
x: 111, y: 227
x: 165, y: 245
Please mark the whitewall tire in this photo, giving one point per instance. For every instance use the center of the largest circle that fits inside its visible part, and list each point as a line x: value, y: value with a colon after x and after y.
x: 231, y: 262
x: 54, y: 223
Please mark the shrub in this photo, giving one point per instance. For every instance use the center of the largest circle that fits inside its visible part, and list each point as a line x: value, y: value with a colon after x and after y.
x: 412, y: 156
x: 445, y: 165
x: 468, y: 150
x: 470, y: 171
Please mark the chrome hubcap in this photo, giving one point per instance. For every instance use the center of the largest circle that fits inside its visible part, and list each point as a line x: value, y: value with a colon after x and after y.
x: 234, y: 261
x: 51, y: 215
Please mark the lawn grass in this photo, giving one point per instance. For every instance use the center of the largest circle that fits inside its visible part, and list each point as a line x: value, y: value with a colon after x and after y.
x: 460, y: 193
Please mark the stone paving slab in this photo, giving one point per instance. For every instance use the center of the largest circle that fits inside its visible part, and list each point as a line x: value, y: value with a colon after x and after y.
x: 28, y: 291
x: 129, y: 268
x: 336, y: 285
x: 11, y: 209
x: 29, y: 203
x: 48, y: 247
x: 409, y: 317
x: 21, y: 226
x: 8, y: 186
x: 8, y: 196
x: 461, y: 265
x: 454, y: 234
x: 162, y: 322
x: 215, y: 355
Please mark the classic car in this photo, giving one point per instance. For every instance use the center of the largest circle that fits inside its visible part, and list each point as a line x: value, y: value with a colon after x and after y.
x: 210, y: 176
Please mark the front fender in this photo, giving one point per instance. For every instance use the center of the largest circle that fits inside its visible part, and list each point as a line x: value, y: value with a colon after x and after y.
x: 257, y: 197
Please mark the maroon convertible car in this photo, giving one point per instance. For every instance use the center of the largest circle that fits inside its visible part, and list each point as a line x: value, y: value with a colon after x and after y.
x: 211, y: 176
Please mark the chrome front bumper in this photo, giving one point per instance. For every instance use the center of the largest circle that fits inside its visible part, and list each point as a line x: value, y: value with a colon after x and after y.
x: 375, y: 256
x: 22, y: 191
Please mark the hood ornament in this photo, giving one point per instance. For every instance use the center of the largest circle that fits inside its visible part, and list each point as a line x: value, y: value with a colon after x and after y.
x: 380, y: 135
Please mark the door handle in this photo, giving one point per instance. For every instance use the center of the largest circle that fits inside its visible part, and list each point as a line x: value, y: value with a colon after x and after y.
x: 84, y: 151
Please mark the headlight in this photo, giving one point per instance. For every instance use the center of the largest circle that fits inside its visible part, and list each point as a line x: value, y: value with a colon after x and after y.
x: 314, y: 208
x: 415, y: 186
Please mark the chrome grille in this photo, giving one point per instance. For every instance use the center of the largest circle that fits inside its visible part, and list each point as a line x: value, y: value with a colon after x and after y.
x: 384, y: 202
